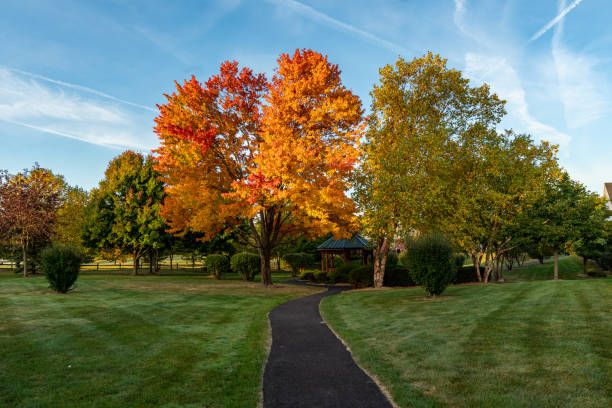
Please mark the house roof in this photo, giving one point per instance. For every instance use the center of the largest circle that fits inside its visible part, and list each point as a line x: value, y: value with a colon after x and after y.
x: 357, y: 242
x: 608, y: 190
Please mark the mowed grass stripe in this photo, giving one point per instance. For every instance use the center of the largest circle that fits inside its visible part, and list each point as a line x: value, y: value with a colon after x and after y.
x: 542, y: 344
x: 196, y: 344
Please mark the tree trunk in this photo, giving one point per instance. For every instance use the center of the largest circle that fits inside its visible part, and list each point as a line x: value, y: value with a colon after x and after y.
x: 171, y: 256
x: 266, y: 272
x: 476, y: 262
x: 556, y: 267
x: 135, y: 266
x: 151, y: 263
x: 25, y: 261
x: 500, y: 273
x: 381, y: 251
x: 584, y: 264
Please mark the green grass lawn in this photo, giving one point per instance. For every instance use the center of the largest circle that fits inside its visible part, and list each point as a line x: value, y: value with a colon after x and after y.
x: 569, y: 268
x: 529, y: 344
x: 135, y: 341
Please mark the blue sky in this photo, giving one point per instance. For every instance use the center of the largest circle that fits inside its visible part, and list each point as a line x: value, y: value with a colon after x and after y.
x: 79, y: 80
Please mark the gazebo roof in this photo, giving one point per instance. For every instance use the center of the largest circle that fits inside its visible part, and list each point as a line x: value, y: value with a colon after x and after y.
x: 357, y: 242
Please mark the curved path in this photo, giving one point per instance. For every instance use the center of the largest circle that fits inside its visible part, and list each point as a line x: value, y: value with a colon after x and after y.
x: 309, y: 367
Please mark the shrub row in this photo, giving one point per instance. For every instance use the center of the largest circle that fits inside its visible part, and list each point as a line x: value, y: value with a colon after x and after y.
x: 246, y: 264
x: 298, y: 261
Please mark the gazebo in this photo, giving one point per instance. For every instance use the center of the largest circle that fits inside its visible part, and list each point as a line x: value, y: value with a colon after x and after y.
x: 344, y: 248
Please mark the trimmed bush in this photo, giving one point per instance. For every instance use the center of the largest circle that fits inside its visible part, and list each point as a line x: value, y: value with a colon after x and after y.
x: 431, y: 264
x: 362, y: 277
x: 61, y: 265
x: 246, y: 264
x: 392, y: 259
x: 342, y: 273
x: 397, y: 275
x: 217, y: 264
x: 298, y: 261
x: 466, y: 274
x: 597, y: 274
x: 321, y: 277
x: 308, y: 275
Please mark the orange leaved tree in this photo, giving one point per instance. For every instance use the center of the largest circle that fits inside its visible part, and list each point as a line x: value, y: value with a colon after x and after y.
x: 276, y: 156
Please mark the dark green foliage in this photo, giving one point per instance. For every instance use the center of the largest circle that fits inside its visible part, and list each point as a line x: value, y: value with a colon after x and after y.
x: 392, y: 259
x: 466, y: 274
x: 61, y: 265
x: 246, y: 264
x: 321, y: 277
x: 397, y: 275
x: 298, y: 261
x: 217, y: 264
x: 605, y: 261
x: 459, y: 260
x: 597, y: 274
x: 309, y: 276
x: 362, y: 277
x: 342, y: 273
x: 430, y: 261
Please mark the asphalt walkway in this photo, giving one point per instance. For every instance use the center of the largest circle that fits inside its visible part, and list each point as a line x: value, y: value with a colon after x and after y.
x: 309, y: 367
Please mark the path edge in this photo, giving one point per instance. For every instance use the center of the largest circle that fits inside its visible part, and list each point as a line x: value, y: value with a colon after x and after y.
x: 374, y: 378
x: 263, y: 368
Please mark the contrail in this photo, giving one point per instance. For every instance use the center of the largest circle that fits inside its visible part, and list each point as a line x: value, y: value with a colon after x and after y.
x: 324, y: 18
x: 80, y: 88
x: 555, y: 20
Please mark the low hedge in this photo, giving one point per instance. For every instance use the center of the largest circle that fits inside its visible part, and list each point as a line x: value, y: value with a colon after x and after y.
x: 308, y: 275
x: 466, y: 274
x: 362, y: 277
x: 397, y: 275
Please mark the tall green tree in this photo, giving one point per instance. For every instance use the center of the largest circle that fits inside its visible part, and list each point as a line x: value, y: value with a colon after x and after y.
x: 124, y: 211
x: 490, y: 182
x: 567, y: 217
x: 422, y: 112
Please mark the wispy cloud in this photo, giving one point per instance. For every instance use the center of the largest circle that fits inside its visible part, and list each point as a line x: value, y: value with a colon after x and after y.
x: 555, y: 20
x: 27, y: 102
x: 323, y: 18
x: 504, y: 80
x: 583, y: 91
x: 78, y: 88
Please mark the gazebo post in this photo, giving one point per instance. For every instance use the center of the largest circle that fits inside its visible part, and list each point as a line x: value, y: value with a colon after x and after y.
x: 346, y: 256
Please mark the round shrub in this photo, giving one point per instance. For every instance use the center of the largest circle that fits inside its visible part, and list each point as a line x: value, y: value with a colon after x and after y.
x: 321, y: 276
x: 308, y: 275
x: 397, y: 275
x: 430, y: 261
x: 61, y: 265
x: 298, y: 261
x: 217, y: 264
x: 362, y: 277
x: 342, y: 273
x: 246, y: 264
x: 392, y: 259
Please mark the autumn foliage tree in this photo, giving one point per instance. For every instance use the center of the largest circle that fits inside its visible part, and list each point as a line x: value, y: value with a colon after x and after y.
x: 276, y: 155
x: 29, y: 202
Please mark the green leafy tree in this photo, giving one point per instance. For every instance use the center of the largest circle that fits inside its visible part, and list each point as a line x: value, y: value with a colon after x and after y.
x: 72, y: 217
x: 567, y: 217
x: 423, y: 114
x: 124, y: 211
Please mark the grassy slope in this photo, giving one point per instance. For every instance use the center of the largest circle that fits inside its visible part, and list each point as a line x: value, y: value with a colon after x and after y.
x: 120, y: 341
x: 544, y: 344
x: 569, y: 267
